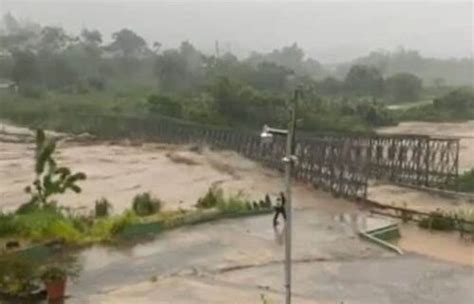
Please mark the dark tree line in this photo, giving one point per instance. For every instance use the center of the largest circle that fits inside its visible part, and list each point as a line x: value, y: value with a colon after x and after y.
x: 190, y: 84
x: 368, y: 81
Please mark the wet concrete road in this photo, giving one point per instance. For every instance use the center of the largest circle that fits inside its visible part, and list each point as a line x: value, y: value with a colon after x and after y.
x: 240, y: 259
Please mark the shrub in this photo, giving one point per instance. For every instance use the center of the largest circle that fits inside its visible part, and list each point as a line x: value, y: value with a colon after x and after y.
x: 33, y: 92
x: 144, y: 204
x: 54, y: 274
x: 104, y: 229
x: 438, y: 221
x: 96, y: 83
x: 212, y: 198
x: 47, y: 224
x: 233, y: 204
x: 165, y: 105
x: 50, y: 178
x: 102, y: 208
x: 465, y: 182
x: 27, y: 208
x: 7, y: 224
x: 17, y: 275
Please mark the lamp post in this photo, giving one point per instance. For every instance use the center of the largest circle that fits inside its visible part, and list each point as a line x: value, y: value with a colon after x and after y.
x: 289, y: 159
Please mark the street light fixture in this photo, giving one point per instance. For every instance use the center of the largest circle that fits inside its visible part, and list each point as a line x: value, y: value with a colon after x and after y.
x: 289, y: 160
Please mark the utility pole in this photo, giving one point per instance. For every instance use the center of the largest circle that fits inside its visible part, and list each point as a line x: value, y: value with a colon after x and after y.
x: 289, y: 160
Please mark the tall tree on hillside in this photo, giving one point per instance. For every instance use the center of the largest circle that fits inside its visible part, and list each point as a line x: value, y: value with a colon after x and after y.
x: 170, y: 68
x: 93, y: 37
x: 269, y: 76
x: 53, y: 39
x: 91, y: 41
x: 403, y: 87
x: 25, y: 68
x: 127, y: 43
x: 364, y: 81
x: 330, y: 86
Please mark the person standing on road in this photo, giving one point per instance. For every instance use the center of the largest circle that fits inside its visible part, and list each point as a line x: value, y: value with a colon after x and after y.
x: 279, y: 209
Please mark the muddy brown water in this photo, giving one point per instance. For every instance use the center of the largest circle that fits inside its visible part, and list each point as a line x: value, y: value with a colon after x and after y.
x: 179, y: 175
x: 447, y: 246
x: 462, y: 130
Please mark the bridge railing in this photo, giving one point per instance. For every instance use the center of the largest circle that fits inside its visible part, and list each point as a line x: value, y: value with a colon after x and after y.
x: 341, y: 164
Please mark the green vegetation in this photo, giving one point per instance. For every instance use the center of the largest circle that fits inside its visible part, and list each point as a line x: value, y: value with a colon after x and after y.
x: 213, y: 196
x: 457, y: 105
x: 42, y: 220
x: 18, y: 276
x: 438, y: 221
x: 55, y: 73
x: 436, y: 73
x: 465, y: 182
x: 462, y: 220
x: 51, y: 179
x: 102, y: 208
x: 53, y: 274
x: 7, y: 224
x: 403, y: 87
x: 45, y: 224
x: 144, y: 204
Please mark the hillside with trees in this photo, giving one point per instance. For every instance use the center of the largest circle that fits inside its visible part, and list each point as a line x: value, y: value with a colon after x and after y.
x: 48, y: 69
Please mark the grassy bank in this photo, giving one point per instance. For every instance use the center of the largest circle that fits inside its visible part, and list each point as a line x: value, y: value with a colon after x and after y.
x: 44, y: 225
x: 465, y: 182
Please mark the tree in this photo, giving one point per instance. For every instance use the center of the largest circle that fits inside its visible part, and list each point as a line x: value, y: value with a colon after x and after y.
x: 227, y: 99
x: 170, y: 67
x: 157, y: 47
x: 92, y: 37
x: 181, y: 69
x: 165, y: 105
x: 25, y: 70
x: 269, y: 76
x: 18, y: 36
x: 364, y: 80
x: 11, y: 24
x: 127, y: 43
x: 403, y: 87
x: 330, y: 86
x: 53, y: 39
x: 50, y: 178
x: 460, y: 100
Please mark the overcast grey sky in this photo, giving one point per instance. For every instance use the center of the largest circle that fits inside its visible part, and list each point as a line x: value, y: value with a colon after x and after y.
x: 328, y: 31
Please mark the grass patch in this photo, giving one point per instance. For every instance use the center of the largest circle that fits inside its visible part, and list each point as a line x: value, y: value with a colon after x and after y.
x: 7, y: 225
x: 47, y: 224
x: 234, y: 204
x: 210, y: 200
x: 462, y: 220
x: 39, y: 225
x: 105, y: 229
x: 465, y: 182
x: 438, y: 221
x: 17, y: 276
